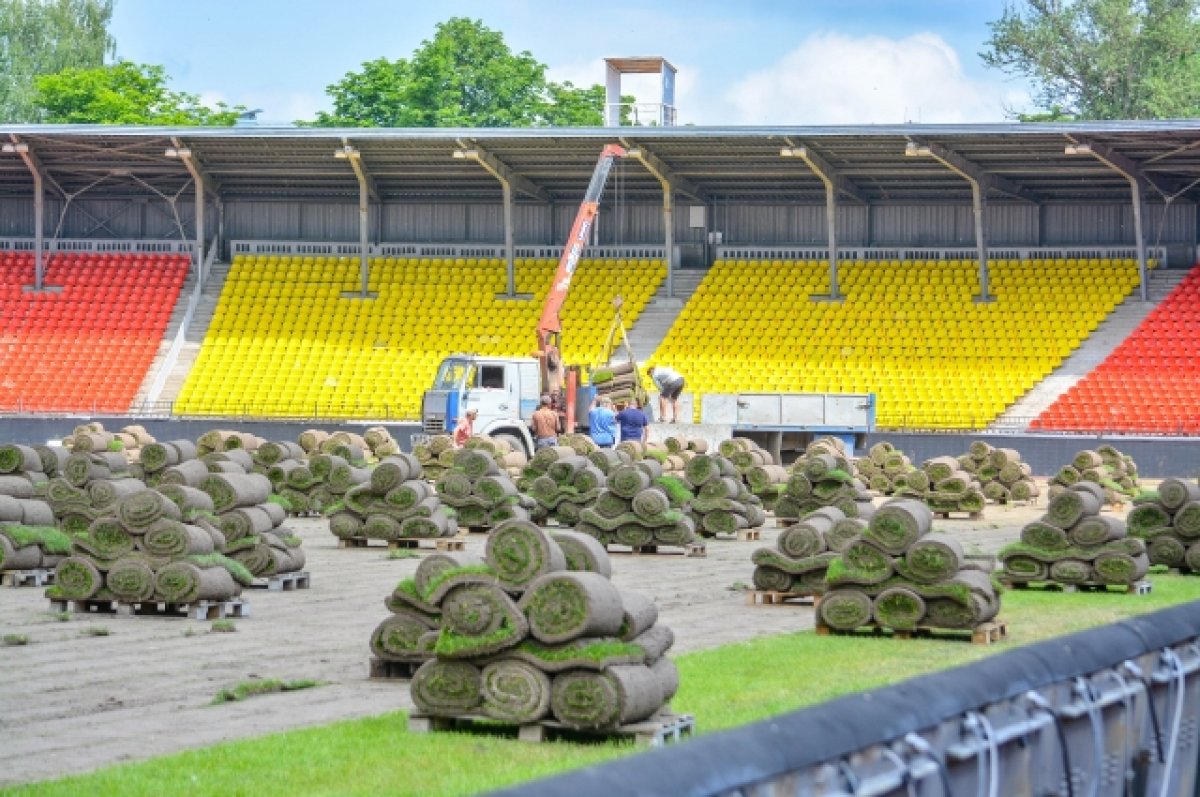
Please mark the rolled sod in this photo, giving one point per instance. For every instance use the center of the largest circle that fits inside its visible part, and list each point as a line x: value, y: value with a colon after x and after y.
x: 16, y: 487
x: 634, y: 535
x: 845, y: 609
x: 898, y: 524
x: 345, y: 524
x: 772, y: 579
x: 934, y: 558
x: 583, y: 552
x: 703, y: 468
x: 1087, y: 459
x: 588, y: 478
x: 566, y: 605
x: 1187, y: 520
x: 1144, y: 517
x: 455, y: 484
x: 105, y: 492
x: 27, y: 547
x: 651, y: 503
x: 187, y: 498
x: 244, y: 522
x: 478, y: 619
x: 681, y: 533
x: 1023, y: 490
x: 1024, y: 568
x: 15, y: 457
x: 381, y: 527
x: 1090, y: 487
x: 1068, y: 475
x: 952, y: 614
x: 518, y: 551
x: 1070, y: 571
x: 1173, y: 493
x: 1119, y: 568
x: 107, y: 538
x: 843, y: 532
x: 131, y: 579
x: 899, y: 608
x: 1042, y: 535
x: 54, y: 459
x: 172, y: 539
x: 190, y: 472
x: 940, y: 468
x: 442, y: 688
x: 515, y: 691
x: 231, y: 490
x: 1069, y: 507
x: 627, y: 481
x: 77, y: 578
x: 639, y: 614
x: 187, y: 582
x: 772, y: 557
x: 495, y: 488
x: 1164, y: 548
x: 142, y: 509
x: 1192, y: 557
x: 724, y: 522
x: 1096, y: 531
x: 437, y: 566
x: 438, y: 524
x: 619, y: 695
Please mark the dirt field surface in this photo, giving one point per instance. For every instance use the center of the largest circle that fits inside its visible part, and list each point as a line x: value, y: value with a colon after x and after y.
x: 74, y: 701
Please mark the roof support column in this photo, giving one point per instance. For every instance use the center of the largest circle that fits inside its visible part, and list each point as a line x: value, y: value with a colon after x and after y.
x: 507, y: 178
x: 1130, y: 171
x: 834, y: 184
x: 351, y: 154
x: 18, y: 147
x: 977, y: 180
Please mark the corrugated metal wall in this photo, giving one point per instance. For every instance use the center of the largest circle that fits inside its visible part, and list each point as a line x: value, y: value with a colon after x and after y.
x: 914, y: 225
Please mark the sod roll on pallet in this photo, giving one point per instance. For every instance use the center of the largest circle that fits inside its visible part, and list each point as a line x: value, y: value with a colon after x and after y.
x: 885, y: 469
x: 520, y: 638
x: 1168, y: 521
x: 1107, y: 467
x: 899, y: 575
x: 797, y: 563
x: 1003, y: 477
x: 395, y: 502
x: 823, y: 477
x: 1074, y: 544
x: 479, y: 493
x: 145, y: 549
x: 25, y: 547
x: 722, y: 504
x: 639, y: 509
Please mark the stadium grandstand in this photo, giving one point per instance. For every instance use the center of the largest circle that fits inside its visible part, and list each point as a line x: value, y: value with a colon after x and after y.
x: 977, y: 277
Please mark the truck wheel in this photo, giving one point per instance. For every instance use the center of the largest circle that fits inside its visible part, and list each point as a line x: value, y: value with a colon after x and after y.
x: 514, y: 442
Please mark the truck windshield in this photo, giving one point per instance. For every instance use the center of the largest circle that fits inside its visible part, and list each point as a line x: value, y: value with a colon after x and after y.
x: 453, y: 374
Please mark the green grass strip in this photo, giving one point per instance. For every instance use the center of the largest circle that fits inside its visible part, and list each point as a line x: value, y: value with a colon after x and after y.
x: 269, y: 686
x: 235, y: 568
x: 51, y: 539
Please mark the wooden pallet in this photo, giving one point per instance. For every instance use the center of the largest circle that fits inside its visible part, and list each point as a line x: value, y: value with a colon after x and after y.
x: 384, y: 670
x: 478, y: 529
x: 1136, y: 588
x: 439, y: 544
x: 200, y: 610
x: 40, y: 577
x: 749, y: 535
x: 759, y: 597
x: 283, y: 582
x: 692, y: 549
x: 663, y: 727
x: 786, y: 522
x: 361, y: 542
x: 986, y: 634
x: 958, y: 515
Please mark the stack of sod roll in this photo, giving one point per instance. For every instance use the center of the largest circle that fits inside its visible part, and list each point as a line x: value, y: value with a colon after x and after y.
x: 758, y: 469
x: 510, y: 461
x: 1074, y: 544
x: 23, y: 470
x: 225, y: 440
x: 480, y: 495
x: 92, y: 438
x: 639, y: 507
x: 1115, y: 472
x: 380, y: 442
x: 1001, y: 473
x: 823, y: 477
x: 252, y: 523
x: 898, y: 575
x: 680, y: 451
x: 90, y: 484
x: 395, y: 503
x: 563, y: 484
x: 886, y: 470
x: 619, y: 382
x: 1169, y: 523
x: 436, y: 455
x: 142, y: 551
x: 722, y: 504
x: 158, y: 457
x: 947, y: 488
x: 802, y: 553
x: 304, y: 484
x: 525, y: 637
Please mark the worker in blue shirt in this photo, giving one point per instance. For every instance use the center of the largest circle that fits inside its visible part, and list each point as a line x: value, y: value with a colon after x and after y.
x: 602, y: 423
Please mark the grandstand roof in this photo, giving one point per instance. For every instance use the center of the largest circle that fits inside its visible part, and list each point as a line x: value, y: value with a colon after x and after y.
x: 1025, y: 162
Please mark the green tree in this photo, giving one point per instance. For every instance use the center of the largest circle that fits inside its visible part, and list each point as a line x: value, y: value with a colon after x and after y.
x: 123, y: 94
x: 40, y: 37
x: 465, y: 76
x: 1103, y: 59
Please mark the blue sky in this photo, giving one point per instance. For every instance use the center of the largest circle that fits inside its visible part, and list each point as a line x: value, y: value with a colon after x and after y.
x: 747, y: 62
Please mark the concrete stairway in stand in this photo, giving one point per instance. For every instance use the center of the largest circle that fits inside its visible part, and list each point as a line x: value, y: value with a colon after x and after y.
x: 656, y: 319
x: 1124, y: 318
x: 194, y: 336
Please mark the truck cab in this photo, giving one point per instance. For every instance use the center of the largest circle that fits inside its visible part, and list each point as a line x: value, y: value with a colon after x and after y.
x: 504, y: 390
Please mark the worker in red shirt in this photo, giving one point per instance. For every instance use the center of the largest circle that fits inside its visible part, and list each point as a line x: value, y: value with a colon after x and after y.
x: 465, y: 428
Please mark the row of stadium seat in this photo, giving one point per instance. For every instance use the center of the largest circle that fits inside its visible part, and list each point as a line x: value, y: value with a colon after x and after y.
x: 284, y: 340
x: 936, y: 358
x: 86, y: 347
x: 1149, y: 384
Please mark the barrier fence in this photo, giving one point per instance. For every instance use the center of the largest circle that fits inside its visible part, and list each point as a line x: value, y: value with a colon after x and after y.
x: 1110, y: 712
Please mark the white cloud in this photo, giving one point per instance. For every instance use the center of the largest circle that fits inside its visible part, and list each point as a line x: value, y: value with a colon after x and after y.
x: 836, y: 79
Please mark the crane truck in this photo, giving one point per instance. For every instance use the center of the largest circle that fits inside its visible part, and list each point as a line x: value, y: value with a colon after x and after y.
x: 506, y: 390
